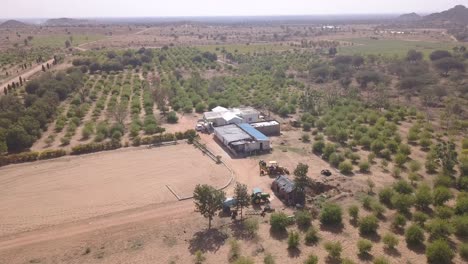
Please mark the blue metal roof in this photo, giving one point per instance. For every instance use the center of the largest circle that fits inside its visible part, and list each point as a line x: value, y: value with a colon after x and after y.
x: 253, y: 132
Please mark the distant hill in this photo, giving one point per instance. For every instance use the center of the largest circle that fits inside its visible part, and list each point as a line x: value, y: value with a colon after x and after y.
x: 411, y: 17
x: 66, y: 22
x: 13, y: 24
x: 456, y: 15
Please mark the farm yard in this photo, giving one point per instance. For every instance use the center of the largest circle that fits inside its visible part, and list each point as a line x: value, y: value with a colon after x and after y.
x: 95, y: 149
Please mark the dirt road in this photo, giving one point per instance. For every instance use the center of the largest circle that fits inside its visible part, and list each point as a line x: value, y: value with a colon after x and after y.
x: 25, y: 75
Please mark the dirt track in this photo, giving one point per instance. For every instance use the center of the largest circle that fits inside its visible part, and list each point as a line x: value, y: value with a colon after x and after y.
x: 24, y: 75
x: 48, y: 193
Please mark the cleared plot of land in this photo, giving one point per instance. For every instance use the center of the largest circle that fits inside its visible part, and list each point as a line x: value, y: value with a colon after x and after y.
x: 58, y: 41
x: 391, y: 47
x: 48, y: 193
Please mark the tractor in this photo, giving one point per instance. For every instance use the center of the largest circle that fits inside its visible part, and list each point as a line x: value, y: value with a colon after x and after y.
x: 259, y: 197
x: 272, y: 168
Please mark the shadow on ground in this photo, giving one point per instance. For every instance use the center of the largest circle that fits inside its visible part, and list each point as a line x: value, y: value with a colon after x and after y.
x: 207, y: 241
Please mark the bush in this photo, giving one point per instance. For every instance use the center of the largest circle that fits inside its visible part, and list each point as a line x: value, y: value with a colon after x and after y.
x: 400, y: 159
x: 303, y: 218
x: 311, y: 259
x: 269, y: 259
x: 423, y: 196
x: 172, y: 117
x: 441, y: 195
x: 334, y: 249
x: 385, y: 195
x: 461, y: 206
x: 199, y: 258
x: 347, y: 261
x: 345, y: 167
x: 234, y: 250
x: 251, y: 225
x: 463, y: 249
x: 420, y: 218
x: 51, y: 154
x: 460, y: 224
x: 335, y: 159
x: 95, y: 147
x: 414, y: 235
x: 353, y: 211
x: 279, y: 221
x: 439, y: 228
x: 364, y: 246
x: 331, y: 214
x: 328, y: 150
x: 402, y: 202
x: 403, y: 187
x: 439, y: 252
x: 390, y: 240
x: 368, y: 225
x: 381, y: 260
x: 377, y: 208
x: 364, y: 166
x: 318, y: 147
x: 243, y: 260
x: 293, y: 239
x: 444, y: 212
x: 305, y: 138
x: 311, y: 236
x: 399, y: 221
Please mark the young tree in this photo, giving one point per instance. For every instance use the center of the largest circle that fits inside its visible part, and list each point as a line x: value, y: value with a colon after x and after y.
x: 301, y: 180
x: 119, y: 113
x: 208, y: 201
x: 447, y: 155
x: 242, y: 196
x: 439, y: 252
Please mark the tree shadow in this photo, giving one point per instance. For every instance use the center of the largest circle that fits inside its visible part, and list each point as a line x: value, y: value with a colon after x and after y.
x: 374, y: 237
x: 294, y: 252
x: 354, y: 222
x: 278, y: 234
x: 239, y: 231
x: 392, y: 252
x: 207, y: 241
x: 336, y: 229
x: 418, y: 248
x: 330, y: 260
x: 365, y: 257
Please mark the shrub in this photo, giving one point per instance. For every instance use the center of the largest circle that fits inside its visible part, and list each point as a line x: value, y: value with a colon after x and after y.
x: 335, y: 159
x: 345, y: 167
x: 381, y: 260
x: 461, y: 206
x: 402, y: 202
x: 423, y: 196
x: 463, y: 249
x: 364, y: 166
x: 400, y: 159
x: 439, y: 252
x: 199, y: 258
x: 234, y: 250
x: 420, y: 218
x: 403, y: 187
x: 311, y: 259
x: 385, y: 195
x: 331, y: 214
x: 251, y: 225
x: 414, y: 166
x: 353, y: 211
x: 311, y: 236
x: 399, y: 221
x: 334, y: 249
x: 279, y: 221
x: 444, y: 212
x: 414, y: 235
x: 460, y: 224
x: 396, y: 172
x: 293, y: 239
x: 364, y: 246
x: 172, y: 117
x: 328, y: 150
x: 377, y: 208
x: 243, y: 260
x: 390, y: 240
x: 367, y: 201
x: 51, y: 154
x: 441, y: 195
x: 303, y: 218
x: 347, y: 261
x: 305, y: 138
x: 368, y: 225
x: 318, y: 147
x: 269, y: 259
x: 439, y: 228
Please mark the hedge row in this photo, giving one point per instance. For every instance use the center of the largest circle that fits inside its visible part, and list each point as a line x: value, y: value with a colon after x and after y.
x: 167, y: 137
x: 95, y: 147
x: 30, y: 156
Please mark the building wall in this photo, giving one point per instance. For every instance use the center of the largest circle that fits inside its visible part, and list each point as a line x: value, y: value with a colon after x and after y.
x: 250, y: 118
x: 273, y: 130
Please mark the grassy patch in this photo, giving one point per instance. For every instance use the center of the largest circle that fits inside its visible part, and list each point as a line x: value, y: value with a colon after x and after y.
x: 58, y: 41
x: 391, y: 47
x: 243, y: 48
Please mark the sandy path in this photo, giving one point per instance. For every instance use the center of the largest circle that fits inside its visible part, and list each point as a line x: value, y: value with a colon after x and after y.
x: 25, y: 75
x: 68, y: 189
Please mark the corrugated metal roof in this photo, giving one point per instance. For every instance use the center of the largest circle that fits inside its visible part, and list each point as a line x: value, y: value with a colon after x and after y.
x: 285, y: 183
x: 253, y: 132
x: 232, y: 133
x: 265, y: 123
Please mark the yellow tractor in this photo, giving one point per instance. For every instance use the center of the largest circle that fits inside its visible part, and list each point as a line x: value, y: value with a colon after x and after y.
x: 272, y: 168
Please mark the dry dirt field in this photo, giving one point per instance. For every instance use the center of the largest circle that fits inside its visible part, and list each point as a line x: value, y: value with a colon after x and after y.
x: 41, y: 194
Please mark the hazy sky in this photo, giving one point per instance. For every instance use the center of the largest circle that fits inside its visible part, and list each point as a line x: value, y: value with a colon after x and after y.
x: 148, y: 8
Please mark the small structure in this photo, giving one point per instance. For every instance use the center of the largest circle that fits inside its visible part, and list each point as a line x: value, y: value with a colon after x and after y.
x: 268, y: 128
x: 285, y: 189
x: 242, y: 138
x: 220, y: 116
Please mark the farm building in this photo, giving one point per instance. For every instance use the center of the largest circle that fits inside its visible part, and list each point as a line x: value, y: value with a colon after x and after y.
x: 242, y: 138
x: 268, y: 128
x: 220, y: 116
x: 285, y: 189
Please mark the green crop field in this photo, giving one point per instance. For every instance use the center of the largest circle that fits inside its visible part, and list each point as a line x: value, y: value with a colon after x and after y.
x: 391, y: 47
x: 58, y: 41
x: 244, y: 48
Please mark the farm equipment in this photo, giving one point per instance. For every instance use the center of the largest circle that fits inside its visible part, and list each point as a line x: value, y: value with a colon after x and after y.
x: 228, y: 204
x: 272, y: 168
x: 259, y: 197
